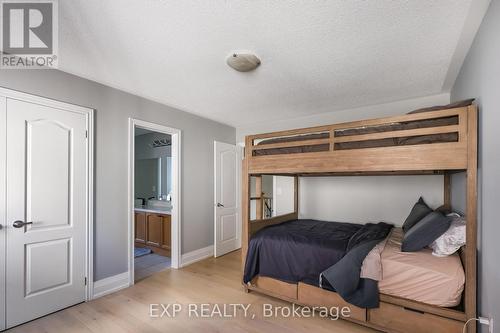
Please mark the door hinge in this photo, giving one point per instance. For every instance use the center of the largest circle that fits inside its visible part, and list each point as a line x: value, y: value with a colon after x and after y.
x: 85, y: 280
x: 86, y: 134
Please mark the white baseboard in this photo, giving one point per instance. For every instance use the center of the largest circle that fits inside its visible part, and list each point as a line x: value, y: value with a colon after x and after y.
x: 111, y: 284
x: 120, y: 281
x: 197, y: 255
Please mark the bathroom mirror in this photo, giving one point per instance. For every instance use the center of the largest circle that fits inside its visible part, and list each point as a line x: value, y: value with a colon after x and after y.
x: 153, y: 167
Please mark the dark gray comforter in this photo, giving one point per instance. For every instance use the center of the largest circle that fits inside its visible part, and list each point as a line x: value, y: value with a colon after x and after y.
x: 302, y: 250
x: 344, y: 277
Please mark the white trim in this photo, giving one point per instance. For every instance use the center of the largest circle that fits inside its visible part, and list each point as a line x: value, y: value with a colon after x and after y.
x: 89, y: 268
x: 240, y: 151
x: 215, y: 199
x: 197, y: 255
x: 89, y: 114
x: 40, y: 100
x: 3, y: 211
x: 110, y: 285
x: 176, y: 190
x: 241, y: 156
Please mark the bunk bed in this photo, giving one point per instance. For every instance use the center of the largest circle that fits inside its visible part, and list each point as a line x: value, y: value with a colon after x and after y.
x: 440, y: 140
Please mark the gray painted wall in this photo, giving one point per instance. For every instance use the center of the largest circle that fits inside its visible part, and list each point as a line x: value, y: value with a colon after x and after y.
x: 367, y: 198
x: 480, y: 78
x: 113, y: 108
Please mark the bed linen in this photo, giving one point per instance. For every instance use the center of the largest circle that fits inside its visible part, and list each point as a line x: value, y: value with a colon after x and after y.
x: 301, y: 250
x: 297, y: 250
x: 420, y: 276
x: 388, y: 142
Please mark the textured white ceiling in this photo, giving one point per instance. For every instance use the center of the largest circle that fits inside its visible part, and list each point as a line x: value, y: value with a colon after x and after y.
x: 317, y: 56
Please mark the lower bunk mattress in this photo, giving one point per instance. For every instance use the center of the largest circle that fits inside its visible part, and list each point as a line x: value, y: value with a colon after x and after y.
x: 300, y: 250
x: 420, y: 276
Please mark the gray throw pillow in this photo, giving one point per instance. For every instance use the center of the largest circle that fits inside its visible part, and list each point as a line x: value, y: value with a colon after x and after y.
x: 418, y: 212
x: 426, y: 231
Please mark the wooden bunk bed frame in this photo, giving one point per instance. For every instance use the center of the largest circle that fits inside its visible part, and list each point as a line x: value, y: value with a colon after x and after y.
x: 394, y: 314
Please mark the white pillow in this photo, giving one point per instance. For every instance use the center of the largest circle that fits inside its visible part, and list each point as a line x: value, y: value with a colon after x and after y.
x: 454, y: 238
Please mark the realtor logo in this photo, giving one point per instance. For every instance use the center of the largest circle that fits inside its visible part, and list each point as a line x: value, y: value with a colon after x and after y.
x: 29, y: 34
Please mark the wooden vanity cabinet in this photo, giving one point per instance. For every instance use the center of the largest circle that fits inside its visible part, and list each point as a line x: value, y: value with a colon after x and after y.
x: 166, y: 241
x: 153, y: 231
x: 140, y: 227
x: 154, y: 227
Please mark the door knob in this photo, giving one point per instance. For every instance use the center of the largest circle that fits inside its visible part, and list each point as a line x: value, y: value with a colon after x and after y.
x: 220, y: 205
x: 20, y: 224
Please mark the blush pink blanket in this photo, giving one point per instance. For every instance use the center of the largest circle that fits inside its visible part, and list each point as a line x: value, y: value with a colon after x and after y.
x: 420, y: 276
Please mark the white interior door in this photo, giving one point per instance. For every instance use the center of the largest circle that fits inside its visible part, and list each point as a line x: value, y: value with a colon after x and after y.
x: 3, y: 117
x: 46, y: 210
x: 227, y: 236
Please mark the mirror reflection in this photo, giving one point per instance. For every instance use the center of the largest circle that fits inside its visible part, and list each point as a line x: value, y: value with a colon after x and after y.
x: 271, y: 196
x: 153, y: 168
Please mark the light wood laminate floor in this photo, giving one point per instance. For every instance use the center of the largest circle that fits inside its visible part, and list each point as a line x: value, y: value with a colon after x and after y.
x: 214, y: 281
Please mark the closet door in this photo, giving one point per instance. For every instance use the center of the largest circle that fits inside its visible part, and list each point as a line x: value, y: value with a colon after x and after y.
x: 3, y: 128
x: 46, y: 209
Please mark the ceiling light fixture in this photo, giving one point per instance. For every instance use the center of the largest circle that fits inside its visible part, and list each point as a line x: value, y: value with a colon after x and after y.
x: 243, y: 62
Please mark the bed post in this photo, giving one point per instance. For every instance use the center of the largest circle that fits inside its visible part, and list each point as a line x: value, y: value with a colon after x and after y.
x: 471, y: 233
x: 447, y: 191
x: 245, y: 203
x: 296, y: 196
x: 259, y: 202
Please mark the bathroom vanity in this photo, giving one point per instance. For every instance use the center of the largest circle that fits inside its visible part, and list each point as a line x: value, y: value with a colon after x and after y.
x: 153, y: 229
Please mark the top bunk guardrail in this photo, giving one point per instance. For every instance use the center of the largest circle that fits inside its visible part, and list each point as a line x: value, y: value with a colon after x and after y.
x: 411, y: 143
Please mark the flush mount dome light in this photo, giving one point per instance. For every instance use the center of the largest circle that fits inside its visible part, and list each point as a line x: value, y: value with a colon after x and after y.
x: 243, y: 62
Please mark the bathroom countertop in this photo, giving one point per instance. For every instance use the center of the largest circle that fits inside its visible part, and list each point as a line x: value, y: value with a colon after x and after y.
x: 154, y: 209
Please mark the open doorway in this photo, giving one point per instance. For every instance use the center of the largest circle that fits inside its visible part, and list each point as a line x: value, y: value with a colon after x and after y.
x: 154, y: 199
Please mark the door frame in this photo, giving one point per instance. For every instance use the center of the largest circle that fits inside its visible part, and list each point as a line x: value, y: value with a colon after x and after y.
x: 3, y: 211
x: 176, y: 190
x: 5, y: 94
x: 239, y: 154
